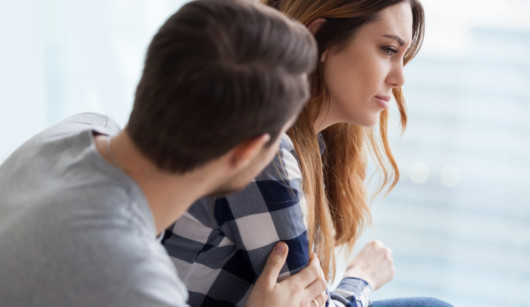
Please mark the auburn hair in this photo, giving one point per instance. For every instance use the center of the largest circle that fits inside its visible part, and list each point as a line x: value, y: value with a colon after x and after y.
x: 334, y: 184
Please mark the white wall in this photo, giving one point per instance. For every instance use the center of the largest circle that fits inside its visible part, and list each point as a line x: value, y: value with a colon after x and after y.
x: 61, y: 57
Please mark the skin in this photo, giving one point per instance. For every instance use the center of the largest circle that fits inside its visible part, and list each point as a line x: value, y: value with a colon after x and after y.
x: 295, y: 291
x: 359, y: 78
x: 169, y: 195
x: 367, y: 68
x: 255, y: 157
x: 162, y: 189
x: 374, y: 263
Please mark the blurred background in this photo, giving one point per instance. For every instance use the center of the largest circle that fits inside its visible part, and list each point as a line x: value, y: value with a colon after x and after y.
x: 459, y: 220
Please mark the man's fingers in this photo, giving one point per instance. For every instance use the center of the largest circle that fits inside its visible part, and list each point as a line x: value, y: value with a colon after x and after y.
x: 310, y: 273
x: 321, y: 300
x: 316, y: 288
x: 274, y: 264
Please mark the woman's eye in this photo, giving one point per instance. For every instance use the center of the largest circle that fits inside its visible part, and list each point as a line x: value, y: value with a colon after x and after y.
x: 389, y: 50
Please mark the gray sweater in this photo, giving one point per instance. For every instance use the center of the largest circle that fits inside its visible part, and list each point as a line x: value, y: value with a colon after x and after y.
x: 76, y: 231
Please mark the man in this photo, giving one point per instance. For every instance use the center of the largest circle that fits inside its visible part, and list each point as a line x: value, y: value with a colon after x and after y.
x: 82, y: 202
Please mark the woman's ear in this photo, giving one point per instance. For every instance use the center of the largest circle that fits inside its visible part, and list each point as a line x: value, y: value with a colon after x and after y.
x: 313, y: 27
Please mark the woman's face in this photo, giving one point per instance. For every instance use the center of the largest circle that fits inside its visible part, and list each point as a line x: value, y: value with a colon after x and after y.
x: 360, y: 76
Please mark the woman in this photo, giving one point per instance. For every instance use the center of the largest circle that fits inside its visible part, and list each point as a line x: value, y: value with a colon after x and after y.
x: 313, y: 195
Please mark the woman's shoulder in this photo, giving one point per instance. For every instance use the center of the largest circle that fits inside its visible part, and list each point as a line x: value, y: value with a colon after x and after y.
x: 287, y: 148
x: 285, y: 163
x: 286, y: 144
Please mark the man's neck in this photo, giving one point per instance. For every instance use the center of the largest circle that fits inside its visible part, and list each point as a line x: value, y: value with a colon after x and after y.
x: 169, y: 195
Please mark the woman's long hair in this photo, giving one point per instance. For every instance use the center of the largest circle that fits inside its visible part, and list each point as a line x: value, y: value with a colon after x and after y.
x: 334, y: 184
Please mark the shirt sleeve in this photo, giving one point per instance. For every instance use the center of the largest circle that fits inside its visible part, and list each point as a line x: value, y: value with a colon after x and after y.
x: 272, y: 209
x: 267, y: 211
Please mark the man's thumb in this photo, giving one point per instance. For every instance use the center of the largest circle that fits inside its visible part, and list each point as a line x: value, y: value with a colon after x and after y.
x: 274, y: 264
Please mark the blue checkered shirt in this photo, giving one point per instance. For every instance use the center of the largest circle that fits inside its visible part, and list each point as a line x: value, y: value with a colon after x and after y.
x: 220, y: 245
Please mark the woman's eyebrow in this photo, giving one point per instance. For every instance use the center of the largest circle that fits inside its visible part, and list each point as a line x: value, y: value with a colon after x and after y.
x: 395, y: 37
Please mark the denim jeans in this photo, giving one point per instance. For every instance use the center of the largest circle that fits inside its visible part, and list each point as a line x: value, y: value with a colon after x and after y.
x: 410, y: 302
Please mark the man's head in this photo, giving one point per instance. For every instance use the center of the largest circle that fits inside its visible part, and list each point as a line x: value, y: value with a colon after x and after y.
x: 218, y: 74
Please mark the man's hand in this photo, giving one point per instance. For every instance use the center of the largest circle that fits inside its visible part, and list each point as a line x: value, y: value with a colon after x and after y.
x: 374, y: 264
x: 300, y: 289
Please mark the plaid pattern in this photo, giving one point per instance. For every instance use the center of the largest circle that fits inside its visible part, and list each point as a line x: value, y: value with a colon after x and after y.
x: 220, y: 246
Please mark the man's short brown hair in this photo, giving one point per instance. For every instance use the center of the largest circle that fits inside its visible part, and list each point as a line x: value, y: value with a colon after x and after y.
x: 217, y: 73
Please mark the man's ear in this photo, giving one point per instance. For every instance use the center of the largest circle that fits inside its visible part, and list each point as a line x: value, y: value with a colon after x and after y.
x: 245, y: 152
x: 313, y: 27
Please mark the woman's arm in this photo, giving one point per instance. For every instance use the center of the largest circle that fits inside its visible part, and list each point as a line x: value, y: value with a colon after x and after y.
x: 374, y: 264
x: 220, y: 246
x: 271, y: 209
x: 303, y: 289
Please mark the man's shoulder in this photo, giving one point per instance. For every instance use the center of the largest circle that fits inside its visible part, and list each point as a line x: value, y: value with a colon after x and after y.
x: 98, y: 122
x: 69, y: 128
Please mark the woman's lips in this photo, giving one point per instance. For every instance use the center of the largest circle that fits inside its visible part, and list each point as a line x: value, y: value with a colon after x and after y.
x: 383, y: 101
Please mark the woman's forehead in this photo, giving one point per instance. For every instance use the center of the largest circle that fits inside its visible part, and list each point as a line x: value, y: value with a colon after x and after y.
x: 393, y: 22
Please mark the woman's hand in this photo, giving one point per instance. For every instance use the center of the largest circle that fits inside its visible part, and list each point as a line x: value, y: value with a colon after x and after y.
x: 301, y: 289
x: 374, y: 264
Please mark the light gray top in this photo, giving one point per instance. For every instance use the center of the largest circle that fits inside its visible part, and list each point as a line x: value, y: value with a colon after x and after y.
x: 76, y: 231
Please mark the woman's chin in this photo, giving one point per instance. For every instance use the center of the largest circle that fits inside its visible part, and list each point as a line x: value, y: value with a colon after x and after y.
x: 367, y: 122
